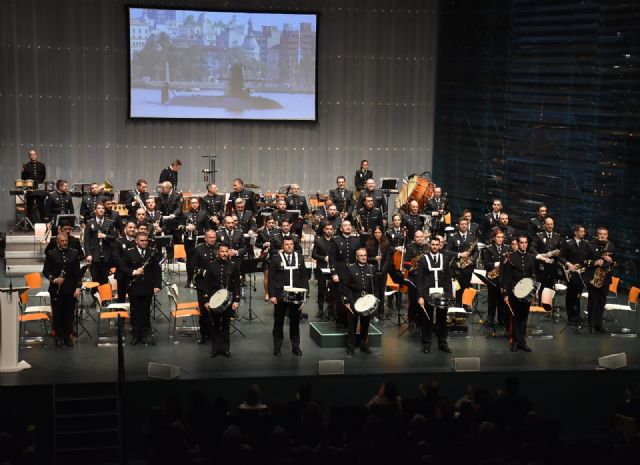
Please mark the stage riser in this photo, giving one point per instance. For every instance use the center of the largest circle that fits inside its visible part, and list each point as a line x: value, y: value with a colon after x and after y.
x: 325, y: 334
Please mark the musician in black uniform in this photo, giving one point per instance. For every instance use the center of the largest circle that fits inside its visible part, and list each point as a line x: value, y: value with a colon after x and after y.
x: 412, y: 220
x: 170, y: 174
x: 396, y: 233
x: 379, y: 256
x: 281, y: 212
x: 222, y: 274
x: 34, y: 169
x: 142, y: 218
x: 437, y: 207
x: 323, y: 250
x: 233, y: 238
x: 170, y: 205
x: 240, y: 192
x: 379, y: 200
x: 535, y: 225
x: 99, y: 232
x: 474, y: 228
x: 59, y: 202
x: 397, y: 237
x: 492, y: 257
x: 546, y: 243
x: 119, y: 248
x: 286, y: 233
x: 89, y: 201
x: 132, y: 202
x: 266, y: 240
x: 192, y: 224
x: 433, y: 273
x: 413, y: 254
x: 287, y: 268
x: 140, y: 264
x: 246, y: 218
x: 153, y: 216
x: 362, y: 175
x: 73, y: 242
x: 573, y: 257
x: 203, y: 255
x: 343, y: 198
x: 517, y: 265
x: 361, y: 281
x: 62, y: 269
x: 331, y: 216
x: 213, y: 204
x: 463, y: 246
x: 344, y: 254
x: 295, y: 201
x: 599, y: 263
x: 491, y: 220
x: 503, y: 226
x: 368, y: 218
x: 113, y: 215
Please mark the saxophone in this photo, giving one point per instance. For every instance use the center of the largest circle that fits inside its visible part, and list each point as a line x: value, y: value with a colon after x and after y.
x: 464, y: 262
x: 600, y: 274
x: 314, y: 218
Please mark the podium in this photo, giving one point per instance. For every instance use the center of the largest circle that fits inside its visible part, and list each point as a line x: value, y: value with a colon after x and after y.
x: 9, y: 327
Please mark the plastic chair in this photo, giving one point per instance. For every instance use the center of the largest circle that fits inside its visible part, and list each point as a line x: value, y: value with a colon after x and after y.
x: 34, y: 281
x: 182, y: 310
x: 108, y: 311
x: 463, y: 313
x: 632, y: 300
x: 545, y: 308
x: 613, y: 287
x: 24, y: 318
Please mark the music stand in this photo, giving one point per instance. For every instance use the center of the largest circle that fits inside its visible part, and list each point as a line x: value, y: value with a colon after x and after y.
x: 163, y: 243
x: 389, y: 186
x: 24, y: 223
x: 251, y: 267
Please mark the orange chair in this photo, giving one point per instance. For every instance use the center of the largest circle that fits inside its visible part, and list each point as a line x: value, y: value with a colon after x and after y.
x: 108, y: 311
x: 633, y: 296
x: 613, y: 287
x: 632, y: 306
x: 469, y: 297
x: 29, y: 316
x: 34, y: 281
x: 182, y: 310
x: 545, y: 308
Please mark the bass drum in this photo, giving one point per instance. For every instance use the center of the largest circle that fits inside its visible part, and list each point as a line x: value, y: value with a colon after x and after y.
x: 422, y: 191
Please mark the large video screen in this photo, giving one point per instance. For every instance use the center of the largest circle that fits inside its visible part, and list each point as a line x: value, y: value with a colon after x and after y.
x: 222, y: 65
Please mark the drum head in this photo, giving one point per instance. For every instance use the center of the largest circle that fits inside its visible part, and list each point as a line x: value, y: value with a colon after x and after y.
x: 295, y: 289
x: 439, y: 300
x: 523, y: 288
x: 218, y: 299
x: 366, y: 302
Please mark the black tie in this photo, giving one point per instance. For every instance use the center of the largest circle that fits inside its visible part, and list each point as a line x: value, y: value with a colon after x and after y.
x: 464, y: 237
x: 288, y: 259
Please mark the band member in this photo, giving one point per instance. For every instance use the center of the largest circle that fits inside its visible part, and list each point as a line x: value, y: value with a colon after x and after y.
x: 397, y: 237
x: 113, y: 215
x: 517, y: 265
x: 34, y: 169
x: 546, y: 247
x: 379, y: 256
x: 73, y: 242
x: 170, y: 174
x: 62, y: 269
x: 281, y: 212
x: 379, y: 200
x: 267, y: 241
x: 286, y: 233
x: 598, y: 278
x: 464, y: 248
x: 89, y: 201
x: 137, y: 198
x: 361, y: 282
x: 287, y: 268
x: 99, y: 232
x: 412, y: 256
x: 412, y: 220
x: 142, y: 218
x: 222, y: 274
x: 153, y: 216
x: 344, y: 254
x: 513, y: 243
x: 213, y: 204
x: 368, y: 218
x: 536, y: 224
x: 141, y: 266
x: 332, y: 216
x: 234, y: 239
x: 490, y: 221
x: 396, y: 234
x: 474, y: 228
x: 323, y: 250
x: 342, y: 197
x: 240, y: 192
x: 433, y: 274
x: 170, y: 205
x: 362, y: 175
x: 437, y: 207
x: 246, y: 218
x: 295, y: 201
x: 503, y: 226
x: 192, y: 223
x: 120, y: 247
x: 575, y: 253
x: 203, y: 255
x: 59, y: 202
x: 492, y: 258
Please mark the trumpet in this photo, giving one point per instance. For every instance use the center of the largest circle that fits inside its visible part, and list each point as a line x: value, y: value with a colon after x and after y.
x: 140, y: 202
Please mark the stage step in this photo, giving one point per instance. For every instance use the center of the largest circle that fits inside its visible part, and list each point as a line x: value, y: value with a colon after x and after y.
x: 325, y: 334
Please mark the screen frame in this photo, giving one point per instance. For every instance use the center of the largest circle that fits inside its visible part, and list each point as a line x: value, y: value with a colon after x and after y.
x: 127, y: 9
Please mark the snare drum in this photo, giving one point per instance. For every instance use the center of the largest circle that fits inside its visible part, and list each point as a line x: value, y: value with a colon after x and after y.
x: 367, y: 305
x: 28, y: 183
x: 524, y: 289
x: 219, y: 301
x: 440, y: 300
x: 19, y: 184
x: 294, y: 295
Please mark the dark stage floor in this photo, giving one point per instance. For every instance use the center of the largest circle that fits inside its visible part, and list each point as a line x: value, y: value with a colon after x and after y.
x: 252, y: 356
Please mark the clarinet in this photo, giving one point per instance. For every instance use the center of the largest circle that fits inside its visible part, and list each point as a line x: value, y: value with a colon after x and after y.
x: 144, y: 265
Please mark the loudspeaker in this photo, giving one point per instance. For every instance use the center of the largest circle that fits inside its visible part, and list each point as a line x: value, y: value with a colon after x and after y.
x: 161, y: 371
x: 613, y: 361
x: 465, y: 364
x: 331, y: 367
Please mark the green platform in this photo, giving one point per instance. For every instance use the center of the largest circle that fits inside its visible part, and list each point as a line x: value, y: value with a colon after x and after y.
x: 325, y: 334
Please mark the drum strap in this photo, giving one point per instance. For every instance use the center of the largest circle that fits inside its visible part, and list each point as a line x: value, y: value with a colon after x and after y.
x: 435, y: 269
x: 290, y: 268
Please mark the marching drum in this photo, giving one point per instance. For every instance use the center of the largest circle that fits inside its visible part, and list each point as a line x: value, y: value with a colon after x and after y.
x: 294, y: 295
x: 367, y: 305
x: 440, y: 300
x: 524, y: 289
x: 219, y: 301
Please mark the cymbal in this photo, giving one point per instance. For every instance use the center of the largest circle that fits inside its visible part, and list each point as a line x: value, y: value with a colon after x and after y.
x: 252, y: 186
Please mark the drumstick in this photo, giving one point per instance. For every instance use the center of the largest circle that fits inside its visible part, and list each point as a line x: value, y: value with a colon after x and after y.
x: 425, y: 312
x: 510, y: 309
x: 349, y: 307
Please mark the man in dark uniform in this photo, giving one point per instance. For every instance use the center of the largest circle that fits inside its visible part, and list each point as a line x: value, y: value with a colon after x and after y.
x: 246, y: 218
x: 517, y: 265
x: 361, y: 282
x: 492, y: 258
x: 34, y: 169
x: 192, y: 224
x: 574, y: 255
x: 343, y: 198
x: 120, y: 247
x: 536, y: 224
x: 598, y: 278
x: 203, y: 255
x: 503, y: 226
x: 141, y: 266
x: 113, y: 215
x: 152, y: 217
x: 170, y: 174
x: 491, y: 220
x: 222, y: 274
x: 413, y: 254
x: 332, y: 216
x: 89, y: 201
x: 213, y: 204
x: 295, y: 201
x: 267, y: 241
x: 99, y: 232
x: 132, y: 202
x: 234, y: 239
x: 546, y: 247
x: 59, y: 202
x: 463, y: 247
x: 240, y: 192
x: 62, y: 269
x: 171, y: 208
x: 322, y: 252
x: 281, y: 212
x: 379, y: 200
x: 287, y: 269
x: 286, y: 233
x: 344, y: 254
x: 369, y: 217
x: 433, y: 274
x: 412, y: 221
x: 73, y: 242
x: 362, y: 175
x: 437, y: 207
x: 474, y: 228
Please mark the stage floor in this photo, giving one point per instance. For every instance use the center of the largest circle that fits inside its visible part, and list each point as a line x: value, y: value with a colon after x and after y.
x: 253, y: 356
